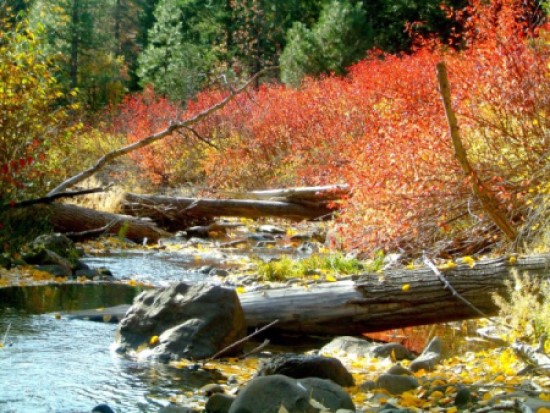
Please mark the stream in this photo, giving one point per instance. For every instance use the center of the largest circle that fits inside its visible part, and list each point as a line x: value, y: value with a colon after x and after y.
x: 53, y: 364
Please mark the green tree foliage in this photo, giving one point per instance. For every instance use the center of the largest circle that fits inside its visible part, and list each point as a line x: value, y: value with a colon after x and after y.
x: 184, y: 45
x: 80, y: 34
x: 337, y: 40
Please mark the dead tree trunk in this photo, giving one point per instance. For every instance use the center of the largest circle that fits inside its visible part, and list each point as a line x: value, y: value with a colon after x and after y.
x: 72, y: 218
x: 179, y: 212
x: 378, y: 303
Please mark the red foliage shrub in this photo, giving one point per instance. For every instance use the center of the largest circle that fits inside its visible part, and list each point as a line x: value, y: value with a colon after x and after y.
x: 382, y: 129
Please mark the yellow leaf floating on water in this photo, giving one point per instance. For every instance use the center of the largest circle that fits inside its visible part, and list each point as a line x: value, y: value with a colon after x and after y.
x: 132, y: 282
x: 543, y: 410
x: 240, y: 290
x: 406, y: 287
x: 330, y: 278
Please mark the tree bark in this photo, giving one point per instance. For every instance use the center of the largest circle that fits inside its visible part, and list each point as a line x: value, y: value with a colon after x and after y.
x: 380, y: 302
x: 179, y: 212
x: 486, y: 197
x: 72, y: 218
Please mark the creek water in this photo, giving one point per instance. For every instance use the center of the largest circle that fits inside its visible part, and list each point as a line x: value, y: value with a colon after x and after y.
x: 50, y: 364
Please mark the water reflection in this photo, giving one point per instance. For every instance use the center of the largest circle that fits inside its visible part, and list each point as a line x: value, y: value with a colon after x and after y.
x: 59, y: 365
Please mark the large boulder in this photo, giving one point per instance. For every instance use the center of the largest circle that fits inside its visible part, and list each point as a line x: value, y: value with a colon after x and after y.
x: 301, y: 366
x: 182, y: 321
x: 430, y: 356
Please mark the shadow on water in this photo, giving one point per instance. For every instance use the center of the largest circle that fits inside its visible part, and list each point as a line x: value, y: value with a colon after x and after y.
x: 49, y: 298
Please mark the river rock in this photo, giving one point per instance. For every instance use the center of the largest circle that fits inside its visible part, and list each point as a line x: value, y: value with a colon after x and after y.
x: 328, y: 393
x: 398, y: 350
x: 190, y: 321
x: 268, y: 394
x: 301, y: 366
x: 219, y: 403
x: 430, y: 356
x: 351, y: 346
x: 396, y: 383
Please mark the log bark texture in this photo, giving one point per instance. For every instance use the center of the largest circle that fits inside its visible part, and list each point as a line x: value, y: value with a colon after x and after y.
x: 180, y: 212
x: 380, y: 302
x: 72, y: 218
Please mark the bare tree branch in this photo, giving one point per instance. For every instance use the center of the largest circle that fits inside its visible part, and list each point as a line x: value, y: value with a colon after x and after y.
x: 174, y: 126
x: 50, y: 198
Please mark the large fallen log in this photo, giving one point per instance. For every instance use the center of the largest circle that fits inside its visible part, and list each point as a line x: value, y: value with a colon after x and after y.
x: 381, y: 302
x: 72, y: 218
x: 180, y: 212
x: 300, y: 195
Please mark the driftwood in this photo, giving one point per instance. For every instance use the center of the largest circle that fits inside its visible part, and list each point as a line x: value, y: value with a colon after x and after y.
x: 76, y: 219
x: 380, y: 302
x: 396, y: 299
x: 178, y: 212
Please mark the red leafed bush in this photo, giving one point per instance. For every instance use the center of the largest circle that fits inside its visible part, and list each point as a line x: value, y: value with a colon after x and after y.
x: 382, y: 129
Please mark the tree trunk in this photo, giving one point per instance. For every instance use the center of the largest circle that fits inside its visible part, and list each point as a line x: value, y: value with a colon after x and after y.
x: 72, y: 218
x: 178, y: 212
x: 381, y: 302
x: 378, y: 302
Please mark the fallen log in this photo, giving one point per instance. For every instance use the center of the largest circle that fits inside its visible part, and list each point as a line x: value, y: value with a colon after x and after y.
x: 179, y: 212
x: 76, y: 219
x: 305, y: 194
x: 381, y: 302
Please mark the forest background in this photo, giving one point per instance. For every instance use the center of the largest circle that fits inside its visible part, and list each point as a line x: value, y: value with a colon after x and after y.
x: 354, y: 100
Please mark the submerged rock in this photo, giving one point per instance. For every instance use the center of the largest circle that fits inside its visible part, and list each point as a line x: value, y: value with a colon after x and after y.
x: 183, y: 321
x: 328, y: 393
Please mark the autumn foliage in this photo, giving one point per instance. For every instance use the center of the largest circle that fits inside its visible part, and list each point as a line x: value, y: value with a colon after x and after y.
x: 382, y: 129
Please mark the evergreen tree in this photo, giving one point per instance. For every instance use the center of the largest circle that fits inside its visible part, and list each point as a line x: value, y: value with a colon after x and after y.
x: 337, y: 40
x: 184, y: 45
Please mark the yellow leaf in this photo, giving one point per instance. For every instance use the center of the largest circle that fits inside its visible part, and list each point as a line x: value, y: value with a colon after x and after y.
x: 543, y: 410
x: 469, y: 260
x: 240, y: 290
x: 330, y: 278
x: 436, y: 395
x: 512, y: 260
x: 132, y: 282
x: 153, y: 340
x: 405, y: 287
x: 452, y: 409
x: 107, y: 318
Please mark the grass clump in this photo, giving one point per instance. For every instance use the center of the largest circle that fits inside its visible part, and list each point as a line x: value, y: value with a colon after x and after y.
x: 526, y: 307
x: 315, y: 265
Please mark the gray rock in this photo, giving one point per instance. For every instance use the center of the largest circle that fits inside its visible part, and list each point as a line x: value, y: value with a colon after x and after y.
x: 300, y: 366
x: 210, y: 389
x: 57, y: 243
x: 268, y: 394
x: 396, y: 384
x: 191, y: 321
x: 219, y: 403
x: 328, y: 393
x: 430, y: 356
x: 55, y: 270
x: 353, y: 346
x: 399, y: 370
x: 399, y: 351
x: 176, y: 409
